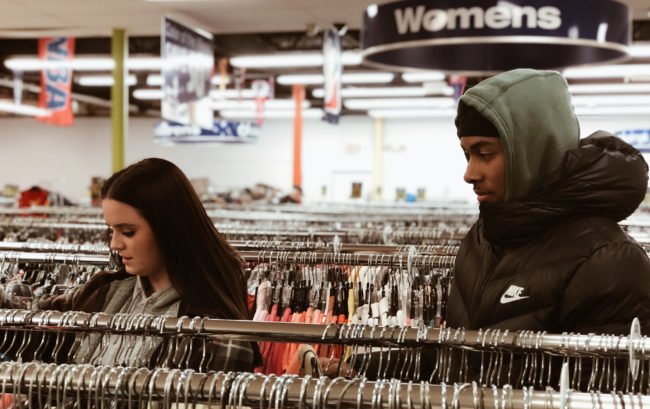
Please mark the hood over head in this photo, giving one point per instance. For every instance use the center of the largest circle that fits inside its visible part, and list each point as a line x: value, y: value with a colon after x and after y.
x: 534, y: 117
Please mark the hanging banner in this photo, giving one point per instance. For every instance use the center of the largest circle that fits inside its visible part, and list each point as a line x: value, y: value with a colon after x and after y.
x: 188, y: 62
x: 332, y: 72
x: 262, y: 91
x: 488, y: 36
x: 457, y: 83
x: 168, y: 132
x: 56, y: 82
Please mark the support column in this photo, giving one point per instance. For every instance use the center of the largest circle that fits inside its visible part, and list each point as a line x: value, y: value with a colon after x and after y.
x: 378, y: 168
x: 119, y: 97
x: 298, y: 98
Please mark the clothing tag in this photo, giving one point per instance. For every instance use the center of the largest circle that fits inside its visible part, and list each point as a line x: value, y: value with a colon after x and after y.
x: 401, y: 318
x: 383, y: 311
x: 374, y: 307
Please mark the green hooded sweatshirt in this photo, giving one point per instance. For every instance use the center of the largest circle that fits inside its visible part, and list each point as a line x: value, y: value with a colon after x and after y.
x: 533, y: 113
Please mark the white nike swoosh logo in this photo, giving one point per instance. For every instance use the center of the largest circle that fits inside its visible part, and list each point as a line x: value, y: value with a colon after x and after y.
x: 506, y: 299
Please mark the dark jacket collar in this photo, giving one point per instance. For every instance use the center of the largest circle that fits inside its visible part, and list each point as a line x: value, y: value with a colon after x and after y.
x: 603, y: 176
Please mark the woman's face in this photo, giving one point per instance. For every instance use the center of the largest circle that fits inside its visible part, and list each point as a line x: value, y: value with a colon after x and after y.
x: 133, y: 239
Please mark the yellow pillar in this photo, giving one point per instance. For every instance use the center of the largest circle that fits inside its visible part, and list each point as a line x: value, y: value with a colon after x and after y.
x: 378, y: 168
x: 119, y: 97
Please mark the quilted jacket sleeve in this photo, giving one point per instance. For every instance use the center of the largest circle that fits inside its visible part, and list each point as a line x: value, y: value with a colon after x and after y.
x: 608, y: 291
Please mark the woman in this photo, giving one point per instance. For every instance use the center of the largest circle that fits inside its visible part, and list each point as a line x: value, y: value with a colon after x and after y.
x: 175, y: 263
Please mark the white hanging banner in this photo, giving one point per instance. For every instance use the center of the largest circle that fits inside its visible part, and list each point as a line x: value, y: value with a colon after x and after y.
x: 188, y: 62
x: 332, y: 72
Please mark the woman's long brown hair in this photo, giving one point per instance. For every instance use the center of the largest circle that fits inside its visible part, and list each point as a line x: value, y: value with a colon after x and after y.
x: 203, y: 268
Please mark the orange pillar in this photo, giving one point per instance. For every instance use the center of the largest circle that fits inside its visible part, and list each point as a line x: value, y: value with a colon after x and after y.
x: 298, y: 98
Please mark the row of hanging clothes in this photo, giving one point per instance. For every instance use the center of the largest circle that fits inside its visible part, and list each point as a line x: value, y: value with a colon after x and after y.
x: 522, y: 360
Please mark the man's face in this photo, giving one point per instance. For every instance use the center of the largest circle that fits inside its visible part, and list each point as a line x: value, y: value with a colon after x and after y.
x: 486, y: 167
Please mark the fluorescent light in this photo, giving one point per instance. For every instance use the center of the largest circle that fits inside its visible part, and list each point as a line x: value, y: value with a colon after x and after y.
x: 412, y: 113
x: 291, y: 60
x: 609, y: 71
x: 288, y: 113
x: 102, y: 80
x: 144, y: 63
x: 358, y: 92
x: 611, y: 100
x: 609, y: 88
x: 78, y: 64
x: 82, y: 63
x: 639, y: 51
x: 28, y: 110
x: 217, y: 80
x: 147, y: 94
x: 613, y: 110
x: 370, y: 103
x: 251, y: 105
x: 245, y: 93
x: 423, y: 76
x: 346, y: 78
x: 155, y: 80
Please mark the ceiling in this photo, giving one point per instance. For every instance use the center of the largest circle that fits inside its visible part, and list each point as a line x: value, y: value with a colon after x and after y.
x: 240, y: 27
x: 96, y: 18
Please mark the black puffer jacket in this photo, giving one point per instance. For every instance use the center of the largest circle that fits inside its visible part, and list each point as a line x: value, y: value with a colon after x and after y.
x: 556, y: 259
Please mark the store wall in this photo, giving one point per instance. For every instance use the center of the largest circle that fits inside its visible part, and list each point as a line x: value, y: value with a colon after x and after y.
x: 417, y: 154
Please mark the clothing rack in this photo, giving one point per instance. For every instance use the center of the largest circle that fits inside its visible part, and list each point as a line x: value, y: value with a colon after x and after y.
x: 102, y: 385
x: 246, y: 245
x: 634, y: 345
x: 54, y: 258
x: 271, y: 256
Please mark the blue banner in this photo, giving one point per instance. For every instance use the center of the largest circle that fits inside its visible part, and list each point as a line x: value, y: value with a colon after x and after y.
x: 168, y: 132
x: 639, y: 138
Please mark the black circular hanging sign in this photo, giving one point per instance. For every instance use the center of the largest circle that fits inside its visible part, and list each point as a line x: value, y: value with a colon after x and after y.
x: 484, y: 36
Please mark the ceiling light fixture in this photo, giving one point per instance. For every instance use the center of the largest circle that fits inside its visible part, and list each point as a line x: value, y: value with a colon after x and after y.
x: 412, y: 113
x: 639, y: 50
x: 83, y: 63
x: 155, y: 80
x: 611, y: 100
x: 612, y: 110
x: 147, y: 94
x: 19, y: 109
x: 291, y: 60
x: 287, y: 113
x: 621, y: 88
x: 252, y: 105
x: 102, y: 80
x: 346, y: 78
x: 423, y: 76
x: 394, y: 103
x: 359, y: 92
x: 245, y: 93
x: 609, y: 71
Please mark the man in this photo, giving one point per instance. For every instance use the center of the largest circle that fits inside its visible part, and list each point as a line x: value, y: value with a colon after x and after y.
x: 547, y: 252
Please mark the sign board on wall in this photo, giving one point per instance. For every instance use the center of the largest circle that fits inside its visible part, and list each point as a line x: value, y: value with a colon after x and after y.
x: 168, y: 132
x: 188, y: 62
x: 487, y: 36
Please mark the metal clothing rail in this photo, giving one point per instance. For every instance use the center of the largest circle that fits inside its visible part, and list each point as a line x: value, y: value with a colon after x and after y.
x: 53, y: 258
x: 55, y: 248
x: 102, y: 385
x: 633, y: 346
x: 245, y: 245
x: 311, y: 258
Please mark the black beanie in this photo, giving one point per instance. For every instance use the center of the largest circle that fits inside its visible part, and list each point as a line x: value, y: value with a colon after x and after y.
x: 470, y: 123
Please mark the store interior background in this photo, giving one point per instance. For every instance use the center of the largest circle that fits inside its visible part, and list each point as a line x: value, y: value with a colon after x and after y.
x: 418, y: 152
